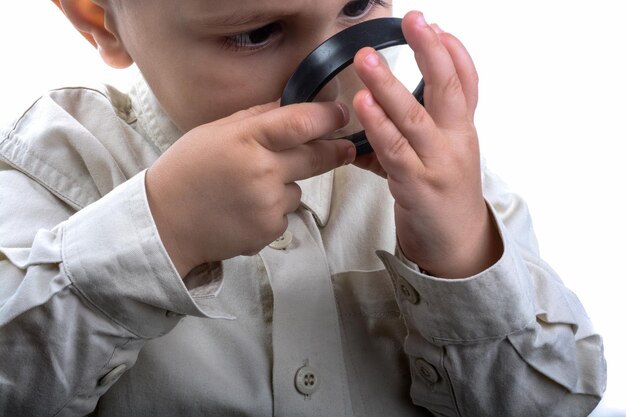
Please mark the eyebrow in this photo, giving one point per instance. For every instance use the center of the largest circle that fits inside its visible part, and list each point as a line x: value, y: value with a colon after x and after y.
x: 241, y: 18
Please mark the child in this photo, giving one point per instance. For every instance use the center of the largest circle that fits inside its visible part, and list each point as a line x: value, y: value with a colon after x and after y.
x: 168, y: 252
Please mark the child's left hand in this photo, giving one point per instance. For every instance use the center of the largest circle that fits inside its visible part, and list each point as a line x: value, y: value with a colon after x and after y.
x: 430, y: 156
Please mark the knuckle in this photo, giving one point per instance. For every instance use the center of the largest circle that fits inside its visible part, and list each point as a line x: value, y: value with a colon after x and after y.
x: 301, y: 124
x: 297, y: 196
x: 269, y: 224
x: 253, y: 111
x: 273, y: 229
x: 379, y: 120
x: 263, y: 167
x: 433, y: 43
x: 376, y: 121
x: 270, y: 202
x: 269, y: 233
x: 416, y: 115
x: 388, y: 81
x: 398, y: 146
x: 316, y: 160
x: 452, y: 85
x: 259, y: 109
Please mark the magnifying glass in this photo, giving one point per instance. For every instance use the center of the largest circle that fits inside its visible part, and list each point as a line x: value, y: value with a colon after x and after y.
x: 327, y: 73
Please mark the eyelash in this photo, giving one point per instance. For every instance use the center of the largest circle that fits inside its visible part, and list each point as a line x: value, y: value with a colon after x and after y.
x: 370, y: 4
x: 241, y: 41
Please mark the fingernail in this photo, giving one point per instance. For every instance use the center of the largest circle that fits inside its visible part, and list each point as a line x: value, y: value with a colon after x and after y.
x: 420, y: 20
x: 369, y: 100
x: 372, y: 59
x: 436, y: 28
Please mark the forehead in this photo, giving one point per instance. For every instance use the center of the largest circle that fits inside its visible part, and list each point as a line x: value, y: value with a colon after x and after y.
x: 238, y: 11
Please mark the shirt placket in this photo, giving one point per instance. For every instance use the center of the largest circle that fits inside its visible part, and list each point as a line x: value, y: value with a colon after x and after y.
x: 309, y: 377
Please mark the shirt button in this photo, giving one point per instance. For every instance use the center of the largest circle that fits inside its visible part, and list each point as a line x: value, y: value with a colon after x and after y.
x: 426, y: 371
x: 307, y: 380
x: 407, y: 292
x: 282, y: 242
x: 112, y: 375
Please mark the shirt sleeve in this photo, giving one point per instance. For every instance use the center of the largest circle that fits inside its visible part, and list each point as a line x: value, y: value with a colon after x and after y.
x: 80, y: 293
x: 509, y: 341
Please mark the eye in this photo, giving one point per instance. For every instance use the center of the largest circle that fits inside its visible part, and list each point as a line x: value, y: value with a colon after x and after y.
x: 358, y: 8
x: 254, y: 39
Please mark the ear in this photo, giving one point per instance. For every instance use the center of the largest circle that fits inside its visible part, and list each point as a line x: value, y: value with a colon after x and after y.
x: 93, y: 21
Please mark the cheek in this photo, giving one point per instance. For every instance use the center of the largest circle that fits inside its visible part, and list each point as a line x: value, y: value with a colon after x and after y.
x: 225, y: 88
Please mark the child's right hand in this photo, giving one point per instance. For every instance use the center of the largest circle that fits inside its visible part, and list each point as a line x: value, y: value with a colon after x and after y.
x: 225, y: 188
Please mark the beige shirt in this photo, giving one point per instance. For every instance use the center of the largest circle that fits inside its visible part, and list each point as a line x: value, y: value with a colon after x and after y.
x: 324, y: 322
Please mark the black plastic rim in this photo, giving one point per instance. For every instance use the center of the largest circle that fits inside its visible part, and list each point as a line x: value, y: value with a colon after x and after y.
x: 337, y: 53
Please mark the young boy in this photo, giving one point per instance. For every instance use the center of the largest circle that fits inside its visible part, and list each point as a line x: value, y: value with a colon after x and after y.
x: 170, y: 253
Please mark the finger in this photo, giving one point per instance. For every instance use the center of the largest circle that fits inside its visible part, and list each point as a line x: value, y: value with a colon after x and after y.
x: 293, y: 125
x: 398, y: 103
x: 247, y: 113
x: 315, y: 158
x: 464, y: 66
x: 443, y: 94
x: 293, y: 195
x: 369, y: 162
x: 394, y: 152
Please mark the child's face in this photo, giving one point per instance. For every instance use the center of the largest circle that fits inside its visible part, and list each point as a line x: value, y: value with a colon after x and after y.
x: 206, y: 59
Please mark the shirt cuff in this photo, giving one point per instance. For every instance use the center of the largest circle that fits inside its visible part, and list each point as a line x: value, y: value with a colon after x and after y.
x: 112, y: 253
x: 489, y: 305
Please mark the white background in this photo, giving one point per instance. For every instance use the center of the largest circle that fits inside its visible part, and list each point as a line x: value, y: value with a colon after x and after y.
x: 551, y: 118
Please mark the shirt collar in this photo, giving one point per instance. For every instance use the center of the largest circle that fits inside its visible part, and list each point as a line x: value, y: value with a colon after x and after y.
x: 316, y: 196
x: 151, y: 117
x: 162, y: 132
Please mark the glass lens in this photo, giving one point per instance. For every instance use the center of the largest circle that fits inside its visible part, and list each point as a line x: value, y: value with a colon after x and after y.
x: 346, y: 84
